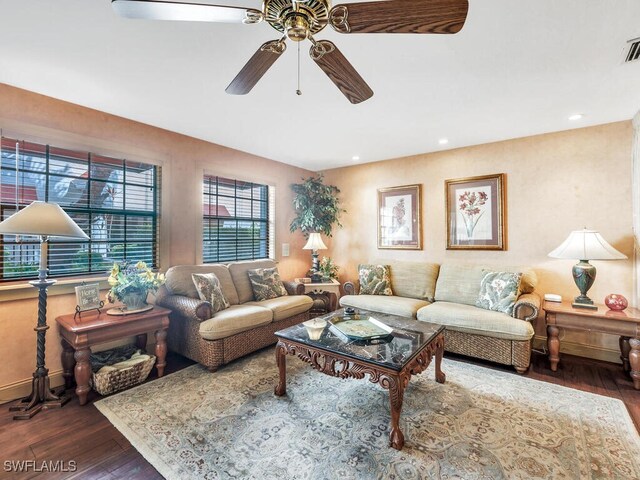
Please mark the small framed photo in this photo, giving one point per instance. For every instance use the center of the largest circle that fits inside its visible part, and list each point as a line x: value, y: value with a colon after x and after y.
x: 476, y: 213
x: 399, y: 216
x: 88, y: 297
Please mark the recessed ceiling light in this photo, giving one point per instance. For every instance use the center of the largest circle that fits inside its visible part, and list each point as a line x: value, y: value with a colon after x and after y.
x: 355, y: 158
x: 576, y: 116
x: 443, y: 141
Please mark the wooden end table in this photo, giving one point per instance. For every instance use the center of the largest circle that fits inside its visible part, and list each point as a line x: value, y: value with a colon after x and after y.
x: 626, y: 324
x: 325, y: 296
x: 79, y: 334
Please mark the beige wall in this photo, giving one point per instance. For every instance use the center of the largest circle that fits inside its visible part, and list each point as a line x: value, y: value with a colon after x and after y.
x: 555, y: 183
x: 183, y: 160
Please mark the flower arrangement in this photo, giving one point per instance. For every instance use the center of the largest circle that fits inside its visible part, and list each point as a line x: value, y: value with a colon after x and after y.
x: 328, y: 268
x: 126, y: 280
x: 470, y: 204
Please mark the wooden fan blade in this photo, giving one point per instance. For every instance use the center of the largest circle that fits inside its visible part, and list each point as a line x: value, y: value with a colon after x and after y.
x: 340, y: 71
x: 191, y: 12
x: 256, y: 67
x: 400, y: 16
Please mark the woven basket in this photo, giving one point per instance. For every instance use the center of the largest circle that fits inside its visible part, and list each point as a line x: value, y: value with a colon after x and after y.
x: 110, y: 382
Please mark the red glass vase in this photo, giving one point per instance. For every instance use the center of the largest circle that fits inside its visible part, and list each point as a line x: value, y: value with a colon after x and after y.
x: 616, y: 302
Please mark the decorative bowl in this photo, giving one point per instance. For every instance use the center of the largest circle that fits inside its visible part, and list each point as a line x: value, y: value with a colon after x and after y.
x: 616, y: 301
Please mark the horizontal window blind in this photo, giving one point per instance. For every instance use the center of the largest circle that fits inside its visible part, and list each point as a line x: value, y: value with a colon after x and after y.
x: 115, y: 201
x: 235, y: 220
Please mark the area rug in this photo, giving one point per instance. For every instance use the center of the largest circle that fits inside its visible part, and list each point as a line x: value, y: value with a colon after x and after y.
x: 481, y: 424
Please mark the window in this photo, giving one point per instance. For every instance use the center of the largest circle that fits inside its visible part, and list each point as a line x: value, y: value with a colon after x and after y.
x: 235, y: 220
x: 114, y: 201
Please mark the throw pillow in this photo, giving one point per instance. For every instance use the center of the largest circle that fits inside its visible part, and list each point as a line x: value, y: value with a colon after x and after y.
x: 499, y: 291
x: 266, y: 283
x: 209, y: 290
x: 374, y: 280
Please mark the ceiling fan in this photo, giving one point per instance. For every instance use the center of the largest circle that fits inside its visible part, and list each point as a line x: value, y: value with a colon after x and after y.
x: 299, y: 20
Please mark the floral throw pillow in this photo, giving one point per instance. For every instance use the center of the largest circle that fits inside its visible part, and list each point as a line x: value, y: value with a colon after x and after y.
x: 209, y: 290
x: 266, y: 283
x: 374, y: 280
x: 499, y: 291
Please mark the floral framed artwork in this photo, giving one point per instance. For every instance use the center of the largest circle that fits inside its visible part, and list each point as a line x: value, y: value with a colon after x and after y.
x: 475, y: 213
x: 399, y: 214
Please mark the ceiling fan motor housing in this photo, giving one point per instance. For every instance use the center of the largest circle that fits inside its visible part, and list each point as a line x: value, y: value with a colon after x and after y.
x: 311, y: 17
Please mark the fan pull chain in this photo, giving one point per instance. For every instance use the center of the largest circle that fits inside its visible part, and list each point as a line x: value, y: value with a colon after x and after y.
x: 298, y: 91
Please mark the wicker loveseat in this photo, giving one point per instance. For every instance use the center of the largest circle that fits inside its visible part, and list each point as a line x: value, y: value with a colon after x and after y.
x: 446, y: 294
x: 246, y: 326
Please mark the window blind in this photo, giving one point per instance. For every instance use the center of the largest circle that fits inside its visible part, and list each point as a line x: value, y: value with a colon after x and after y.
x: 235, y: 220
x: 115, y: 201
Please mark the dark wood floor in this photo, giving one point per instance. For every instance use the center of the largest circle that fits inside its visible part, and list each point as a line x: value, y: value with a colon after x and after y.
x: 83, y: 435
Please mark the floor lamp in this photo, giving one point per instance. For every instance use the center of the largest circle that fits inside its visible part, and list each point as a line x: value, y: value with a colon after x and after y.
x: 44, y: 220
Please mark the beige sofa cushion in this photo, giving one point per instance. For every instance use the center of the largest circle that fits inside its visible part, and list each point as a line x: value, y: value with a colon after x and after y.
x: 285, y: 307
x: 240, y: 274
x: 235, y: 319
x: 413, y: 279
x: 179, y: 281
x: 469, y: 319
x: 460, y: 283
x: 401, y: 306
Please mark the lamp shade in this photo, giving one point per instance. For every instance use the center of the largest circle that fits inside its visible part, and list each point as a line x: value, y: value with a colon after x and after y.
x: 314, y: 243
x: 586, y: 245
x: 42, y: 218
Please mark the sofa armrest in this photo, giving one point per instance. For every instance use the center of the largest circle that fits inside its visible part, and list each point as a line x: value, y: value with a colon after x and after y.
x: 294, y: 288
x: 192, y: 308
x: 527, y: 307
x: 350, y: 288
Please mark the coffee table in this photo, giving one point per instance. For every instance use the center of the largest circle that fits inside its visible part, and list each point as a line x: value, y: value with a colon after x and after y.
x: 389, y: 362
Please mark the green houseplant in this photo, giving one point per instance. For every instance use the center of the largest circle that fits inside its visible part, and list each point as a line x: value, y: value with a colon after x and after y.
x: 317, y: 206
x: 328, y: 269
x: 130, y: 284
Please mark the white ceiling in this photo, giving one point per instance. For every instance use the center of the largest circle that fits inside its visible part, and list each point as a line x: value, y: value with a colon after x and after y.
x: 518, y: 68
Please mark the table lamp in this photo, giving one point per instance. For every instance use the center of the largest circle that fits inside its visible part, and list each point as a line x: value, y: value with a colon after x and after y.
x: 44, y: 220
x: 585, y: 245
x: 314, y: 244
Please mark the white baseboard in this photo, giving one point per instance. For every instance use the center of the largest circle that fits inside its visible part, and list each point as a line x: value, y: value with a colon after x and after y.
x: 581, y: 350
x: 22, y: 388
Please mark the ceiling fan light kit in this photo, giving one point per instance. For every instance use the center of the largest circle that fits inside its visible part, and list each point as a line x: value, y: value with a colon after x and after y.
x: 299, y: 20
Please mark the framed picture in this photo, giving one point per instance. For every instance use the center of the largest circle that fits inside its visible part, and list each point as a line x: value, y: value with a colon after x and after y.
x: 88, y: 297
x: 399, y: 215
x: 475, y: 213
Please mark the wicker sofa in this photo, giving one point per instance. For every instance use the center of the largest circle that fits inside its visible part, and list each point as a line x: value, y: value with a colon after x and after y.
x: 246, y: 326
x: 446, y: 294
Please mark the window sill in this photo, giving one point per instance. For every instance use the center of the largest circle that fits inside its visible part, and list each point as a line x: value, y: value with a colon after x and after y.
x: 23, y: 290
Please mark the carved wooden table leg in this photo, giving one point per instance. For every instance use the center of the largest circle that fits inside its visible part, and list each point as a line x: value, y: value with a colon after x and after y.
x: 68, y: 362
x: 553, y: 344
x: 396, y: 397
x: 634, y: 361
x: 82, y: 373
x: 440, y: 375
x: 161, y: 351
x: 281, y: 361
x: 625, y: 348
x: 141, y: 341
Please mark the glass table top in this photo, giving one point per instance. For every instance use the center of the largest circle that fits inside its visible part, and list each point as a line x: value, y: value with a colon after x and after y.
x: 409, y: 336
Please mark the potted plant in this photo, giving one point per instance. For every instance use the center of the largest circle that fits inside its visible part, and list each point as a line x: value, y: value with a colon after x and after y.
x: 317, y: 206
x: 131, y: 284
x: 328, y: 269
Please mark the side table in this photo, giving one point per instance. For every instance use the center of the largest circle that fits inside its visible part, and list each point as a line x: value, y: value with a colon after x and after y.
x: 626, y: 324
x: 325, y: 296
x: 79, y: 334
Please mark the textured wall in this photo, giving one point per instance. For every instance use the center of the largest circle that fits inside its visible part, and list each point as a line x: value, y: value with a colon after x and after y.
x: 183, y: 159
x: 555, y: 183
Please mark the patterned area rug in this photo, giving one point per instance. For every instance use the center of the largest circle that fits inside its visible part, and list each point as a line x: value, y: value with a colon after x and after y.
x: 481, y: 424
